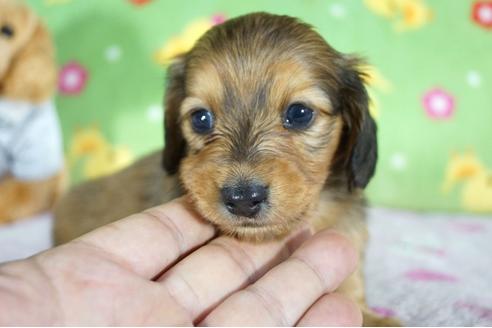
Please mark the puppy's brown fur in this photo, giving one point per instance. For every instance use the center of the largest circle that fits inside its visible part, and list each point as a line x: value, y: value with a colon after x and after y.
x: 247, y: 71
x: 28, y: 73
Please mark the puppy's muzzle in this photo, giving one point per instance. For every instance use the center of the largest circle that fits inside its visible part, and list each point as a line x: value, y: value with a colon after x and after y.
x: 245, y: 199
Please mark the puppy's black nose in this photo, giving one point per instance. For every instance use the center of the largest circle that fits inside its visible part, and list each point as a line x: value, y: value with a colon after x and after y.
x: 244, y: 199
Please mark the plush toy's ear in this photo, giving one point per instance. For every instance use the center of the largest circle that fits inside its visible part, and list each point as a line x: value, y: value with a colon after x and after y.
x: 175, y: 145
x: 32, y: 73
x: 358, y: 146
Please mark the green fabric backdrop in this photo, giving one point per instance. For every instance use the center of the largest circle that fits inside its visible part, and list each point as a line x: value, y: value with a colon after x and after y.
x: 431, y: 75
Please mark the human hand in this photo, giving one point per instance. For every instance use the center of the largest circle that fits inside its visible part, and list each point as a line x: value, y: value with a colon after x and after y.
x: 166, y: 267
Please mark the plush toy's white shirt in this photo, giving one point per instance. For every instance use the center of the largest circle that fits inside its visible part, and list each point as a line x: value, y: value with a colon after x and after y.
x: 30, y: 140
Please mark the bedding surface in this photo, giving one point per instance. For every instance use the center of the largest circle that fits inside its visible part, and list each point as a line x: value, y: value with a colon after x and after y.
x: 430, y: 269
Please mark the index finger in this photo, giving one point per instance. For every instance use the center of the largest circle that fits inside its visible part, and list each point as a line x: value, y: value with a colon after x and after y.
x: 148, y: 242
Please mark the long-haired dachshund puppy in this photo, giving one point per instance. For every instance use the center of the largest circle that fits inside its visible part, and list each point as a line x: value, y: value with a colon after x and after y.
x: 266, y: 126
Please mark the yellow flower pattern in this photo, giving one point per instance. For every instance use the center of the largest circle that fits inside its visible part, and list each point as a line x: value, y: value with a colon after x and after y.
x: 405, y: 14
x: 98, y: 157
x: 476, y: 193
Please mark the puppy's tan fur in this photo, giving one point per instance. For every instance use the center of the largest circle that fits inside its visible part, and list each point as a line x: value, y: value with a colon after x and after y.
x: 247, y: 71
x: 28, y: 73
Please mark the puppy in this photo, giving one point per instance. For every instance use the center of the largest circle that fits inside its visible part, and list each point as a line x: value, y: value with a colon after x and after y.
x: 266, y: 126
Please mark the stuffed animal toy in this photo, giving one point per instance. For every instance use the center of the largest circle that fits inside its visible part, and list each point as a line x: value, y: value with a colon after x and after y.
x: 31, y: 157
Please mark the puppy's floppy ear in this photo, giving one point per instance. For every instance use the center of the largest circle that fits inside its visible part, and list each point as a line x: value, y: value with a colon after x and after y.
x: 365, y: 153
x: 359, y: 140
x: 175, y: 145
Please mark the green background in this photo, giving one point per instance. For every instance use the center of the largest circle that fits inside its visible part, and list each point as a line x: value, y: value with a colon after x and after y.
x: 440, y: 53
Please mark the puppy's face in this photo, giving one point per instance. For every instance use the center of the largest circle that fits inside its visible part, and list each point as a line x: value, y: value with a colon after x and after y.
x: 254, y: 120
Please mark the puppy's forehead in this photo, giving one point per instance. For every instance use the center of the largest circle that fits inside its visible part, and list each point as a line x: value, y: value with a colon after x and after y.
x: 263, y: 84
x: 255, y: 62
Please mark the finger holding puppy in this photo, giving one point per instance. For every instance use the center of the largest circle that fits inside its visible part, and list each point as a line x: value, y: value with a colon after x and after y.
x: 287, y: 291
x: 147, y: 243
x: 204, y: 278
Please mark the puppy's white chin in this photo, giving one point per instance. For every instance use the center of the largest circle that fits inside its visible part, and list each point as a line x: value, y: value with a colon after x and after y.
x: 256, y: 232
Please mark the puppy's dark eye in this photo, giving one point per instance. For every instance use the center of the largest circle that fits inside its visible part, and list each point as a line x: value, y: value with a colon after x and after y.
x: 7, y: 31
x: 298, y: 116
x: 202, y: 121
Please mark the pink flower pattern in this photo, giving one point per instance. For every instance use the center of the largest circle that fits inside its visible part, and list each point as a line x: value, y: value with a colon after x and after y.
x: 482, y: 13
x: 429, y: 275
x: 438, y: 104
x: 383, y: 311
x: 218, y: 19
x: 73, y: 78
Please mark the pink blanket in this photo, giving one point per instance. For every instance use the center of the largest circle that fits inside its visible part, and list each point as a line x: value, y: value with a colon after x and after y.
x: 430, y: 270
